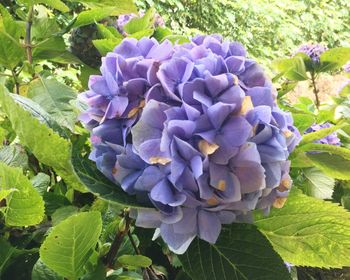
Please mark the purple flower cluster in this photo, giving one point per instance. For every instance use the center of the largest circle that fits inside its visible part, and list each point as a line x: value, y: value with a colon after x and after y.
x: 331, y: 139
x: 124, y: 19
x: 313, y: 51
x: 346, y: 67
x: 193, y: 130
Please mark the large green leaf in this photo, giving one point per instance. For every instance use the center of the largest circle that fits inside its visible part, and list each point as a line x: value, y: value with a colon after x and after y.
x: 103, y: 9
x: 56, y: 4
x: 241, y: 252
x: 317, y: 184
x: 14, y: 155
x: 25, y: 206
x: 105, y: 46
x: 6, y: 253
x: 124, y: 6
x: 70, y: 244
x: 310, y: 137
x: 332, y: 149
x: 292, y: 68
x: 9, y: 25
x: 140, y: 23
x: 39, y: 113
x: 303, y: 121
x: 11, y: 52
x: 46, y: 145
x: 308, y: 231
x: 332, y: 165
x: 97, y: 183
x: 334, y: 59
x: 54, y: 97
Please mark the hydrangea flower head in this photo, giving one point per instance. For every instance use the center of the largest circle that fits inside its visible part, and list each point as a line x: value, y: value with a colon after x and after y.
x: 313, y: 51
x: 193, y: 131
x: 331, y: 139
x: 346, y: 67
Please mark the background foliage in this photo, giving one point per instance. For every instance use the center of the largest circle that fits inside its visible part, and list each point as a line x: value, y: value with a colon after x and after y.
x: 269, y: 28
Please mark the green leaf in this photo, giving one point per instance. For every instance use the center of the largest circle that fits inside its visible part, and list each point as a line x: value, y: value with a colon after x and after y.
x: 5, y: 253
x: 303, y: 121
x: 101, y: 11
x: 51, y: 149
x: 54, y: 201
x: 21, y: 265
x: 98, y: 184
x: 312, y: 136
x: 332, y: 165
x: 24, y: 207
x: 56, y: 4
x: 124, y: 6
x: 332, y: 149
x: 69, y: 245
x: 11, y: 52
x: 54, y: 97
x: 49, y: 49
x: 91, y: 16
x: 286, y: 87
x: 317, y: 184
x: 161, y: 32
x: 138, y: 24
x: 334, y: 59
x: 241, y: 252
x: 63, y: 213
x: 143, y: 33
x: 292, y: 68
x: 9, y: 25
x: 41, y: 182
x: 5, y: 193
x: 39, y: 113
x: 308, y: 231
x: 43, y: 28
x: 105, y: 46
x: 345, y: 91
x: 104, y: 32
x: 14, y: 155
x: 177, y: 39
x: 42, y: 272
x: 300, y: 159
x: 135, y: 260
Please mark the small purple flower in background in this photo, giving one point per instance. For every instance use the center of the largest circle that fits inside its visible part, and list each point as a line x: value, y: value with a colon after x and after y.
x: 331, y: 139
x: 346, y: 67
x: 313, y: 51
x: 124, y: 19
x: 193, y: 131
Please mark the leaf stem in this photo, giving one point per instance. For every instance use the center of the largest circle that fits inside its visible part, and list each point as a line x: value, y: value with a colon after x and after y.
x: 15, y: 79
x: 315, y: 90
x: 28, y: 38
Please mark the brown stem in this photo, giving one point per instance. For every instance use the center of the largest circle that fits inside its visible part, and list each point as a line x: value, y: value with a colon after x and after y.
x: 28, y: 37
x: 136, y: 249
x: 315, y: 90
x: 118, y: 240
